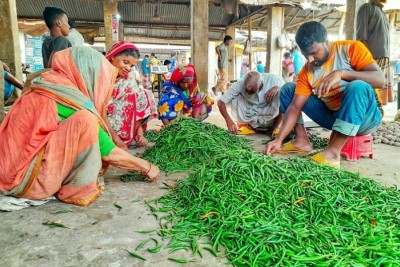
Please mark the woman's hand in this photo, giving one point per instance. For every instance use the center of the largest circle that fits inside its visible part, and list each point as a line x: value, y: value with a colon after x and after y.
x: 153, y: 173
x: 141, y: 140
x: 122, y: 159
x: 119, y: 143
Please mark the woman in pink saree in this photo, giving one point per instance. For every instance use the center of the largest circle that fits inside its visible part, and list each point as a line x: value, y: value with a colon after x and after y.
x: 130, y: 107
x: 54, y: 139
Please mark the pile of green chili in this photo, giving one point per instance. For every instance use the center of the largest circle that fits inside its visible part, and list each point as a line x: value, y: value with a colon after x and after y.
x: 187, y: 143
x: 266, y: 212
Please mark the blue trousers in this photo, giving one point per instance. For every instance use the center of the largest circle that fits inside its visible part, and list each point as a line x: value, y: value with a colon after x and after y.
x: 358, y: 113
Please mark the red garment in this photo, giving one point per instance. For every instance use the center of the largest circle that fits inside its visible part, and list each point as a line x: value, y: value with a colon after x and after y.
x: 128, y: 105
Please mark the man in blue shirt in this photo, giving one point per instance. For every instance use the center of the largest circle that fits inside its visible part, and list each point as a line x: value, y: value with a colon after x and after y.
x: 146, y: 72
x: 172, y: 59
x: 260, y: 67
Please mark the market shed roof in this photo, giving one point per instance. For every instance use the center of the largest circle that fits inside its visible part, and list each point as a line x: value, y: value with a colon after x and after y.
x: 169, y: 20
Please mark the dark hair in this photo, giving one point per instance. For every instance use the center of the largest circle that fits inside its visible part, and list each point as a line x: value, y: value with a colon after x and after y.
x: 130, y: 52
x: 166, y: 62
x: 71, y: 23
x: 287, y: 54
x: 310, y: 32
x: 146, y: 56
x: 51, y: 14
x: 227, y: 38
x: 153, y: 55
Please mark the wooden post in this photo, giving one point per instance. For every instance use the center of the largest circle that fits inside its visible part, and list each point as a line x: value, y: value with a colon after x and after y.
x: 351, y: 18
x: 199, y: 41
x: 249, y: 37
x: 392, y: 21
x: 10, y: 48
x: 121, y: 35
x: 275, y: 25
x: 1, y: 92
x: 341, y: 27
x: 231, y: 53
x: 110, y: 8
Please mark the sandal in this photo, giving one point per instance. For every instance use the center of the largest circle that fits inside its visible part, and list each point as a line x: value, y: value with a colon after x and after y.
x: 319, y: 158
x: 245, y: 130
x: 290, y: 148
x: 275, y: 132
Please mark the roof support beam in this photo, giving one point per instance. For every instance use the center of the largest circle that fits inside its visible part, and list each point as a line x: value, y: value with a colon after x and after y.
x: 290, y: 22
x: 306, y: 20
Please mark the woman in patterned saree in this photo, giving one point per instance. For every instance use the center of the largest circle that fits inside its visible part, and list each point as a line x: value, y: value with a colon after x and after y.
x: 181, y: 95
x: 55, y: 137
x: 130, y: 106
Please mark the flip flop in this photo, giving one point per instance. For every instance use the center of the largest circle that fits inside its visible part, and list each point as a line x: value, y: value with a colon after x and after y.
x: 244, y: 131
x: 319, y: 158
x: 290, y: 148
x: 275, y: 132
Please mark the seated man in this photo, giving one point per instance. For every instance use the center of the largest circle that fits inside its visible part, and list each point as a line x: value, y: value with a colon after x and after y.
x: 335, y: 89
x: 10, y: 82
x: 254, y: 101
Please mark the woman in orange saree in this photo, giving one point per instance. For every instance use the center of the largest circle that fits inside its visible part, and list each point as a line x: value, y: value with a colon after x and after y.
x: 54, y: 139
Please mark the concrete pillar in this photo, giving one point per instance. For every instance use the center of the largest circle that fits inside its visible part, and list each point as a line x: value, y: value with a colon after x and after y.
x: 231, y: 53
x: 199, y: 41
x: 9, y: 48
x: 212, y: 63
x: 392, y: 23
x: 181, y: 58
x: 351, y: 18
x: 110, y: 8
x: 274, y: 29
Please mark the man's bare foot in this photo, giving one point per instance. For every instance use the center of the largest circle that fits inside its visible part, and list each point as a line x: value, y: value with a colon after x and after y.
x: 303, y: 145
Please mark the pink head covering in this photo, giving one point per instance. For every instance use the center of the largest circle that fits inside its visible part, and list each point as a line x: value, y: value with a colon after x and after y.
x: 119, y: 47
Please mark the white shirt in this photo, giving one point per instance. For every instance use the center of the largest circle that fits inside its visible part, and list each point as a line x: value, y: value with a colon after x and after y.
x: 253, y: 109
x: 75, y: 38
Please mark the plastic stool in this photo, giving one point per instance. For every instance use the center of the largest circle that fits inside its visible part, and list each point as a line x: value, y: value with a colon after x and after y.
x: 356, y: 146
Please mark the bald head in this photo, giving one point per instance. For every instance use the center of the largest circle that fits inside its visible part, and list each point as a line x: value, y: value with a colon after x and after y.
x: 252, y: 82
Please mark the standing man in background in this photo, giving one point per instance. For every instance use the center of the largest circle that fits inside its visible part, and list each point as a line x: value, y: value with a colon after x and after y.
x: 260, y: 67
x: 172, y: 61
x: 287, y: 67
x: 373, y: 31
x: 298, y: 61
x: 57, y: 21
x: 146, y: 72
x: 74, y: 37
x: 222, y: 51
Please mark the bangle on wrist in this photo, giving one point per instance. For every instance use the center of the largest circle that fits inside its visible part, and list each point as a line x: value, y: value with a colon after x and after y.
x: 147, y: 172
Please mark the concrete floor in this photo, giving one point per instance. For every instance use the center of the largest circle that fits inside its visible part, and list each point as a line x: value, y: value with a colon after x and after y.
x: 100, y: 234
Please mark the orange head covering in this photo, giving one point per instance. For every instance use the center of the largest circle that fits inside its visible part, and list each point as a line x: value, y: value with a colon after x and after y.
x: 86, y: 70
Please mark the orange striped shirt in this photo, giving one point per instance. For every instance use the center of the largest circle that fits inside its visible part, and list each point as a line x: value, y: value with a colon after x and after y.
x: 347, y: 55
